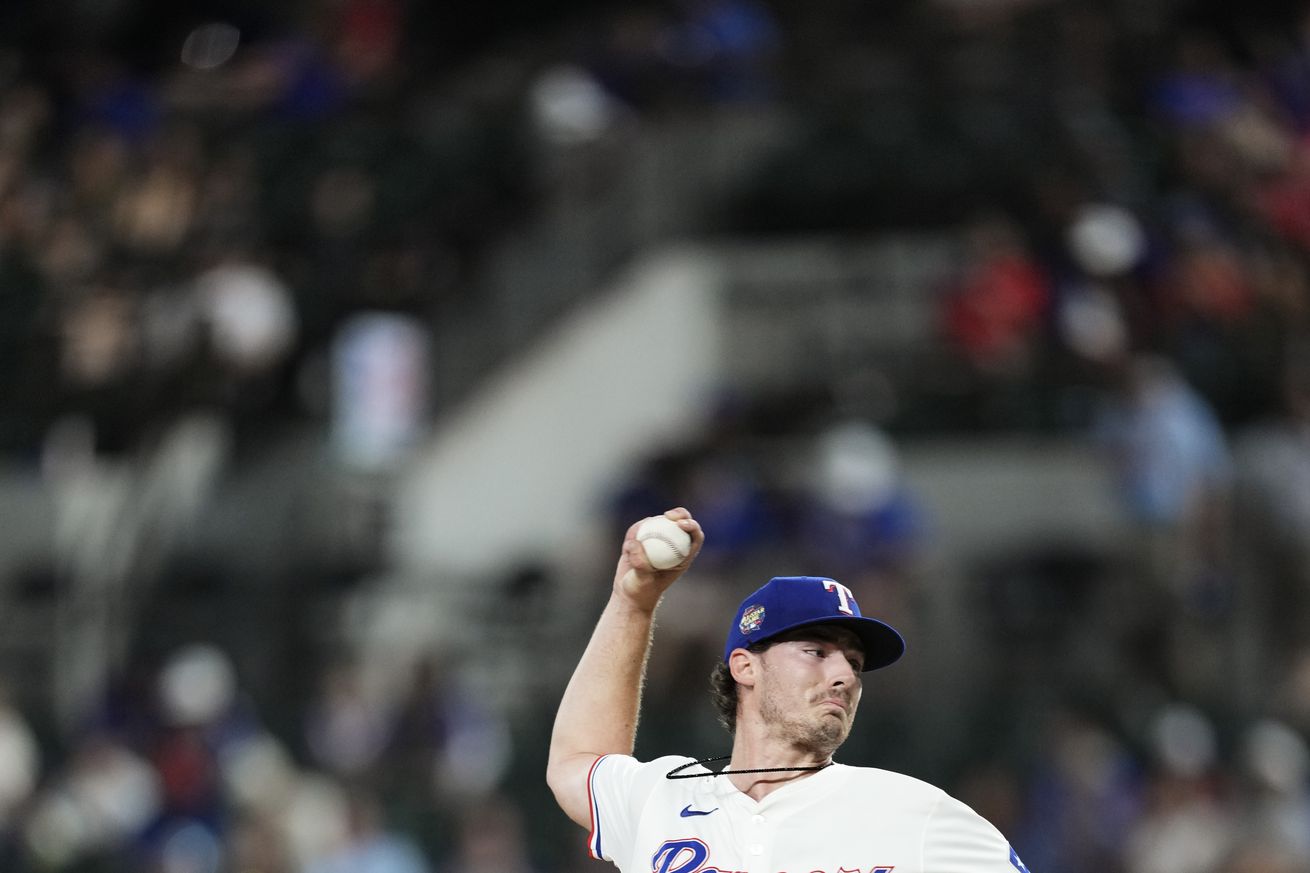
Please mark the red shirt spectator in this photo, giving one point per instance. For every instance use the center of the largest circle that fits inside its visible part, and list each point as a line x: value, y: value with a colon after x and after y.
x: 1001, y: 300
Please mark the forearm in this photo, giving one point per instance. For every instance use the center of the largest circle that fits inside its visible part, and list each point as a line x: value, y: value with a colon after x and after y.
x: 599, y: 710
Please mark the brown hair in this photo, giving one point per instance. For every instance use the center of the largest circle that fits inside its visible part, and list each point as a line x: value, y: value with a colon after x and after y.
x: 723, y: 693
x: 723, y: 688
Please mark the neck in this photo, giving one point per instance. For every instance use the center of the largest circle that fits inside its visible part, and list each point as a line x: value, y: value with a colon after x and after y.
x: 750, y: 753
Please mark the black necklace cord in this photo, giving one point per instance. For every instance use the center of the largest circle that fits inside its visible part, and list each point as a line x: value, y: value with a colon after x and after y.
x: 676, y: 772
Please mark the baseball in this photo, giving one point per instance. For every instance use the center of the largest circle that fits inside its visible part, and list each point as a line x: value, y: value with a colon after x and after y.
x: 666, y: 544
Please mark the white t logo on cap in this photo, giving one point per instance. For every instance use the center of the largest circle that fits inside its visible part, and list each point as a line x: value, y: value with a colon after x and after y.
x: 844, y: 595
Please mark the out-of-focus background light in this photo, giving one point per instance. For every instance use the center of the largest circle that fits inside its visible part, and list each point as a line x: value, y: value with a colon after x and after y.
x: 210, y: 45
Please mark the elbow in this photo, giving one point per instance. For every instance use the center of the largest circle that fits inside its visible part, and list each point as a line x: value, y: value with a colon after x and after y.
x: 567, y: 779
x: 554, y: 779
x: 562, y: 778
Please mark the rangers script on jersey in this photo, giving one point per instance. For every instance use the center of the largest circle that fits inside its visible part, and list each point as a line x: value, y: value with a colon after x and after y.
x: 838, y: 820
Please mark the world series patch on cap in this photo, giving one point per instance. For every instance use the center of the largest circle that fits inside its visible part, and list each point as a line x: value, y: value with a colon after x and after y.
x: 788, y: 602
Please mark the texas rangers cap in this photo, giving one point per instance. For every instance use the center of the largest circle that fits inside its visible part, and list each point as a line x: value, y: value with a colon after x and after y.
x: 788, y: 602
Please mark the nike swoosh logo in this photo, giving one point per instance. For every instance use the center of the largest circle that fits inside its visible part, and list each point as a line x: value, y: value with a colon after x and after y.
x: 688, y: 812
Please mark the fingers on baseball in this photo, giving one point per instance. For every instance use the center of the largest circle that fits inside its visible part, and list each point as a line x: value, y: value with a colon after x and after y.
x: 683, y: 517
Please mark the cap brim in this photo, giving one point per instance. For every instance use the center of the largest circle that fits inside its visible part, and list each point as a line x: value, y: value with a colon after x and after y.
x: 883, y: 644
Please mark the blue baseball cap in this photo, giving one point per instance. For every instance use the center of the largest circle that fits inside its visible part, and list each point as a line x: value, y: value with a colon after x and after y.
x: 787, y: 602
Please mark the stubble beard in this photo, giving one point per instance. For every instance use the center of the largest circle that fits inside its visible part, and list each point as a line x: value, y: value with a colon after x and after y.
x: 820, y: 734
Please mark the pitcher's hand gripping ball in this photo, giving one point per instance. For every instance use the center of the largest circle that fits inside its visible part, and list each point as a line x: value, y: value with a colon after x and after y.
x: 666, y: 544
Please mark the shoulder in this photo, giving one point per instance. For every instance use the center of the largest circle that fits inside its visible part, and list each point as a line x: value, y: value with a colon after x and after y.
x: 911, y: 803
x: 643, y: 777
x: 955, y: 837
x: 891, y: 781
x: 629, y: 764
x: 623, y: 782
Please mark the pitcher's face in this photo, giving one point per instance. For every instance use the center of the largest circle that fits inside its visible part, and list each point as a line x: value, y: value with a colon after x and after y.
x: 808, y: 687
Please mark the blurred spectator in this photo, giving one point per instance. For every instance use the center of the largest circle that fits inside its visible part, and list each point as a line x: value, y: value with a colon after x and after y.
x: 203, y: 719
x: 1106, y: 241
x: 735, y: 501
x: 20, y: 766
x: 247, y: 311
x: 1274, y: 763
x: 1083, y: 797
x: 1168, y: 451
x: 100, y: 362
x: 571, y: 108
x: 154, y: 211
x: 1172, y: 467
x: 368, y: 845
x: 490, y: 839
x: 315, y: 820
x: 100, y: 807
x: 995, y: 313
x: 257, y: 845
x: 1186, y: 825
x: 1281, y: 196
x: 347, y: 727
x: 258, y: 773
x: 859, y: 515
x: 450, y: 746
x: 1207, y: 300
x: 188, y: 847
x: 368, y: 41
x: 994, y: 319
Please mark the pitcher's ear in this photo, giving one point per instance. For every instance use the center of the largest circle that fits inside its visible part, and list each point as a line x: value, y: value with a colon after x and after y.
x: 743, y: 666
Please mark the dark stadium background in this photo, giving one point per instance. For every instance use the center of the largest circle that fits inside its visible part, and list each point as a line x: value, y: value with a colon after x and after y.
x: 1005, y: 305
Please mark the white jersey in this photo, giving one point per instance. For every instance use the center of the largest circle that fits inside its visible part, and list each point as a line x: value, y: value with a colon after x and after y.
x: 837, y: 820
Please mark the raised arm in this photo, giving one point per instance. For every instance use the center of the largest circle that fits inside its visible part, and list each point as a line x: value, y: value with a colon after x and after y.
x: 598, y: 712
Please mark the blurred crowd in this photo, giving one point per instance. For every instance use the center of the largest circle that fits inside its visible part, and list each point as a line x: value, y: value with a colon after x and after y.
x: 190, y: 225
x: 179, y: 770
x: 199, y: 236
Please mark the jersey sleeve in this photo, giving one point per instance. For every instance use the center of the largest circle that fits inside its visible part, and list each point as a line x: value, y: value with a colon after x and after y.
x: 959, y: 840
x: 618, y: 787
